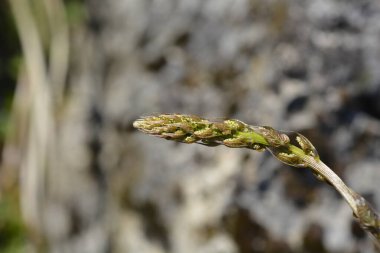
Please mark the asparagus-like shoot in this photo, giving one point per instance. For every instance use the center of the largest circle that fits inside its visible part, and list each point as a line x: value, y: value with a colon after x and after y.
x: 236, y: 134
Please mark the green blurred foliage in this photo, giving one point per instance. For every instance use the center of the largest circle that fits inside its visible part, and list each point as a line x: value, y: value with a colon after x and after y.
x: 12, y: 230
x: 75, y: 11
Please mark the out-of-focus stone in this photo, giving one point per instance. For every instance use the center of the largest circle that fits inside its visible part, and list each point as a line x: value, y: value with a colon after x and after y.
x: 289, y: 63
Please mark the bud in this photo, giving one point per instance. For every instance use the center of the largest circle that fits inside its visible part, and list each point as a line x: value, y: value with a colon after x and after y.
x: 204, y: 133
x: 274, y: 137
x: 235, y: 142
x: 176, y: 135
x: 222, y: 128
x: 307, y: 146
x: 289, y: 159
x: 235, y: 125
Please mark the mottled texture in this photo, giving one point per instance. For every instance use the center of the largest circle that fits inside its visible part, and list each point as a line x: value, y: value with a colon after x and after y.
x: 307, y: 66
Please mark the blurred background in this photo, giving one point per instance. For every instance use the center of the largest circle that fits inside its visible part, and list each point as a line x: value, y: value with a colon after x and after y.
x: 76, y: 177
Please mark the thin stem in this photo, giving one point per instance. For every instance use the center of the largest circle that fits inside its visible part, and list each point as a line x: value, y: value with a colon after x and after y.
x: 322, y: 169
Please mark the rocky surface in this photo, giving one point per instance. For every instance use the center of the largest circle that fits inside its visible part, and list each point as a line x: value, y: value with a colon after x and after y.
x: 307, y: 66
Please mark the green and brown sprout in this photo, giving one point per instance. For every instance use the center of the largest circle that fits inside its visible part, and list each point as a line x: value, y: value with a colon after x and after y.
x: 233, y: 133
x: 190, y: 129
